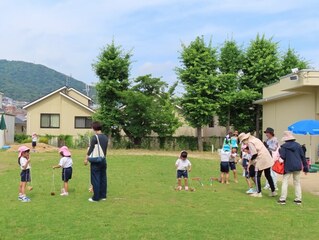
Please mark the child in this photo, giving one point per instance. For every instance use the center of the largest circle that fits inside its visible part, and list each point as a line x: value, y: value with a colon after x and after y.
x: 183, y: 166
x: 233, y: 162
x: 66, y: 165
x: 24, y: 162
x: 224, y: 164
x: 245, y: 160
x: 34, y: 141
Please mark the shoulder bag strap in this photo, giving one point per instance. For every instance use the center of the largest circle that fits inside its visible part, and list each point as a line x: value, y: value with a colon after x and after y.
x: 98, y: 142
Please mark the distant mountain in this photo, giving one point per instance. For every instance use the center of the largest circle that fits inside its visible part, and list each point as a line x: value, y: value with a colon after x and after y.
x: 25, y: 81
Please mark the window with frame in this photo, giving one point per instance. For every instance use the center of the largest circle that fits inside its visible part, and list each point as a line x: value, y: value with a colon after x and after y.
x: 212, y: 124
x: 50, y: 120
x: 83, y: 122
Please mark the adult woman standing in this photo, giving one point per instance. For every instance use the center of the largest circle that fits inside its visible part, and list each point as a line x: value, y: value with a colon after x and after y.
x: 272, y: 145
x: 262, y: 161
x: 294, y: 158
x: 98, y: 170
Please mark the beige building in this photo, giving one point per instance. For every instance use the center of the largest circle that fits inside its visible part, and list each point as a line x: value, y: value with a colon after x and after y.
x: 65, y: 111
x: 295, y: 97
x: 211, y: 130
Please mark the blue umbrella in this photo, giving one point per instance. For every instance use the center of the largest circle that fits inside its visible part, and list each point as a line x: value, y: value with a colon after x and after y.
x: 306, y: 127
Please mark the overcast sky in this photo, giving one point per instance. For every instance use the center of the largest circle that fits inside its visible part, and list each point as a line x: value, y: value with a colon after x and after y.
x: 67, y: 35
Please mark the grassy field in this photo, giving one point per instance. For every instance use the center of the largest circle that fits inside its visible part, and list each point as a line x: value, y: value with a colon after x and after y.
x: 142, y: 204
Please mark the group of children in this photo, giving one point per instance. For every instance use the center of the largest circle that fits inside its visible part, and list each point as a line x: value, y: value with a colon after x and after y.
x: 25, y: 175
x: 228, y: 157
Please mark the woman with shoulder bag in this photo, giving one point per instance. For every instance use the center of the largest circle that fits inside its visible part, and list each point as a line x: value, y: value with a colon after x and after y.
x: 98, y: 163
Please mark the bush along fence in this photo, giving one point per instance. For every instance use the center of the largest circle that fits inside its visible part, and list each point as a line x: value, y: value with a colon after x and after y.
x: 168, y: 143
x: 123, y: 142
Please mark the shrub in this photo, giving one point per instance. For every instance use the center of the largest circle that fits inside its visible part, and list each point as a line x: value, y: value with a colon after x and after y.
x: 19, y: 138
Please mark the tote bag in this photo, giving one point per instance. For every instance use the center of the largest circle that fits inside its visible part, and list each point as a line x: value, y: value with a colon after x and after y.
x: 97, y: 155
x: 279, y: 167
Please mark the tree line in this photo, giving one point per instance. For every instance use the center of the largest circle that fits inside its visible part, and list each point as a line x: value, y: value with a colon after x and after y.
x: 218, y: 81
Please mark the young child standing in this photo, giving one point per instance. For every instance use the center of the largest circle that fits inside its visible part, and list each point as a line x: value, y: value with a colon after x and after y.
x: 24, y: 162
x: 183, y: 166
x: 224, y: 164
x: 246, y: 157
x: 233, y: 162
x: 34, y: 141
x: 66, y: 165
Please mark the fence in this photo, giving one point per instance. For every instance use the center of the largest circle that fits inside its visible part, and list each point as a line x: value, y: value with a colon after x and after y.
x: 168, y: 143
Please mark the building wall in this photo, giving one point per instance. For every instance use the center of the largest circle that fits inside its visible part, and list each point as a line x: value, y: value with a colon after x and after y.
x: 56, y: 104
x: 9, y: 132
x: 207, y: 131
x: 80, y: 98
x: 281, y: 114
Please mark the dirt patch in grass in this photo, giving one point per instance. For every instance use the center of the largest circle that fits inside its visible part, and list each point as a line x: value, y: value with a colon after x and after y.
x: 41, y: 147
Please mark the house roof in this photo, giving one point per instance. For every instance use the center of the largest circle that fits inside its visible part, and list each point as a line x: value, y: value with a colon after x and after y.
x: 60, y: 90
x: 19, y: 121
x: 83, y: 95
x: 44, y: 97
x: 301, y: 82
x: 77, y: 102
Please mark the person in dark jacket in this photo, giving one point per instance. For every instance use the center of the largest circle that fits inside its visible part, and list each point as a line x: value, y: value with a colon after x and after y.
x: 98, y: 170
x: 294, y: 161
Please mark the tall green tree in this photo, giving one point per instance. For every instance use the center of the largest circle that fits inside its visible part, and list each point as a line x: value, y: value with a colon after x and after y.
x: 139, y: 108
x: 112, y: 67
x: 198, y: 75
x: 148, y: 108
x: 261, y: 68
x: 291, y: 60
x: 230, y: 65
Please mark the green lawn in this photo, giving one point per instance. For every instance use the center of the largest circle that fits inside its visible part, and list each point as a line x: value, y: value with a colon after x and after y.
x: 142, y: 204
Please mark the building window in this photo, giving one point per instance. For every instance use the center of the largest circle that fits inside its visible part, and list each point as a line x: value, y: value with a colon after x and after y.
x: 50, y: 120
x: 83, y: 122
x: 212, y: 123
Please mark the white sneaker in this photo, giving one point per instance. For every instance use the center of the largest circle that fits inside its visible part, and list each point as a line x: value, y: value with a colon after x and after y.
x: 91, y: 200
x: 273, y: 194
x: 251, y: 191
x: 26, y: 199
x: 186, y: 188
x: 179, y: 188
x: 257, y: 195
x: 64, y: 194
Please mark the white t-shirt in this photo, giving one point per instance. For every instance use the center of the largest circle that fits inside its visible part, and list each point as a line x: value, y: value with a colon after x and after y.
x: 66, y: 162
x: 34, y: 139
x: 246, y: 156
x: 224, y: 156
x: 232, y: 157
x: 23, y: 162
x: 183, y: 164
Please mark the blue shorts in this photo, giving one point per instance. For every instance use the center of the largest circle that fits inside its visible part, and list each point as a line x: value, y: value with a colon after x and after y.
x: 232, y: 166
x: 66, y: 174
x: 182, y: 173
x: 25, y: 175
x: 224, y: 167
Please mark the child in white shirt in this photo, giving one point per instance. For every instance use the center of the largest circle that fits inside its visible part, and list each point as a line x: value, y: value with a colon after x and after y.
x: 24, y: 162
x: 233, y: 162
x: 224, y: 164
x: 249, y: 169
x: 66, y: 165
x: 183, y: 166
